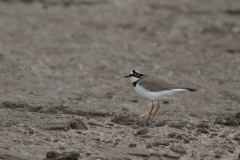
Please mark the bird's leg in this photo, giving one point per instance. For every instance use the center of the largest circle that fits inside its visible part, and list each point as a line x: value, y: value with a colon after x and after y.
x: 157, y: 109
x: 149, y: 116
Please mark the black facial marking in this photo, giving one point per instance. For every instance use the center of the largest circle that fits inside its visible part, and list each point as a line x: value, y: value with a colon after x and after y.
x: 137, y: 74
x: 135, y: 83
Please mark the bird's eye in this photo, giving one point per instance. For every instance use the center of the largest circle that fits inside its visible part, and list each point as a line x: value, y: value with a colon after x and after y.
x: 136, y: 74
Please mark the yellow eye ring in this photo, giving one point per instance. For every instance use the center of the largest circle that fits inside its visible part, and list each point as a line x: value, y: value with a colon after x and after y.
x: 136, y: 74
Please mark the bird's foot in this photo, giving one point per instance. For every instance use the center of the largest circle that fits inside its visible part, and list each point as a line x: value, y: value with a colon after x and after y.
x: 148, y: 117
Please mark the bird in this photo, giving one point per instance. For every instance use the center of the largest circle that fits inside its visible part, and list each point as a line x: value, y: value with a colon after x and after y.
x: 154, y: 88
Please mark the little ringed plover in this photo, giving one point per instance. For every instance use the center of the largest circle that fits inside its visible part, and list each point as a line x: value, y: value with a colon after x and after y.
x: 154, y: 88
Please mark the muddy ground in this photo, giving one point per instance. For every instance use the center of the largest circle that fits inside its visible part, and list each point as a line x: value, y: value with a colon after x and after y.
x: 62, y: 89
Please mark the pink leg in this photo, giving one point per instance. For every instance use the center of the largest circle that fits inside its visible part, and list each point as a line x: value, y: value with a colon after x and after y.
x: 149, y: 116
x: 157, y: 109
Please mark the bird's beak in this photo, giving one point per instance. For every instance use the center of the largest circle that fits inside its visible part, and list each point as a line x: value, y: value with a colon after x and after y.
x: 128, y: 76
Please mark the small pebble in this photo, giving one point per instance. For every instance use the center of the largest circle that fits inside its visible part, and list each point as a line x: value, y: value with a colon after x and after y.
x: 132, y: 145
x: 149, y: 146
x: 171, y: 135
x: 186, y: 140
x: 52, y: 154
x: 218, y: 156
x: 31, y: 131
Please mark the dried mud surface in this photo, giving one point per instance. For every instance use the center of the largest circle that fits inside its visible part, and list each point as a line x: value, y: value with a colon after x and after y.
x: 62, y: 91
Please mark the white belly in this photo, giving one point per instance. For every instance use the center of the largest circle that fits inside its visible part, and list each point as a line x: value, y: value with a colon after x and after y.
x: 156, y: 96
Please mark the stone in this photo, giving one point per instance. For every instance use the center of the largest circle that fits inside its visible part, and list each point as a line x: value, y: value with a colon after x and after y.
x: 171, y: 135
x: 115, y: 143
x: 51, y: 108
x: 160, y: 124
x: 132, y: 145
x: 47, y: 139
x: 193, y: 138
x: 203, y: 125
x: 12, y: 105
x: 171, y: 155
x: 186, y: 140
x: 134, y: 100
x: 107, y: 141
x: 123, y: 120
x: 52, y: 154
x: 94, y: 124
x: 31, y: 131
x: 73, y: 155
x: 223, y: 135
x: 56, y: 140
x: 202, y: 130
x: 236, y: 137
x: 143, y: 122
x: 179, y: 149
x: 149, y: 146
x: 125, y: 109
x: 230, y: 149
x: 220, y: 151
x: 237, y: 115
x: 164, y: 143
x: 60, y: 126
x: 213, y: 134
x: 37, y: 108
x: 96, y: 139
x: 228, y: 120
x: 142, y: 131
x: 218, y: 155
x: 178, y: 125
x: 79, y: 112
x: 190, y: 128
x: 214, y: 130
x: 177, y: 140
x: 140, y: 152
x: 99, y: 113
x: 78, y: 124
x: 194, y: 155
x: 165, y: 102
x: 180, y: 136
x: 204, y: 155
x: 110, y: 124
x: 155, y: 144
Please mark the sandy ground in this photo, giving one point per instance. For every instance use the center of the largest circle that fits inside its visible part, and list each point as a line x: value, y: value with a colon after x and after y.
x: 62, y: 88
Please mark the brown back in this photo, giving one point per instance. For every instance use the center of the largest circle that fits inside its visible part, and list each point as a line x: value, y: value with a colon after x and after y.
x: 155, y: 83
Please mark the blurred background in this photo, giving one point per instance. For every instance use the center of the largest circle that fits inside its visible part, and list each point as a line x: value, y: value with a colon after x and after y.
x: 76, y: 52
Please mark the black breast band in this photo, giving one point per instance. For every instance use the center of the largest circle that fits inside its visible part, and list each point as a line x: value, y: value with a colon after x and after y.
x: 135, y: 83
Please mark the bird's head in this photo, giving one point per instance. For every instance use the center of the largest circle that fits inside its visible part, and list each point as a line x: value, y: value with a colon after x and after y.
x: 135, y: 75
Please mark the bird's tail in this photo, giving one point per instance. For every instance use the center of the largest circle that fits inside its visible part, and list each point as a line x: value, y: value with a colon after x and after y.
x: 191, y: 89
